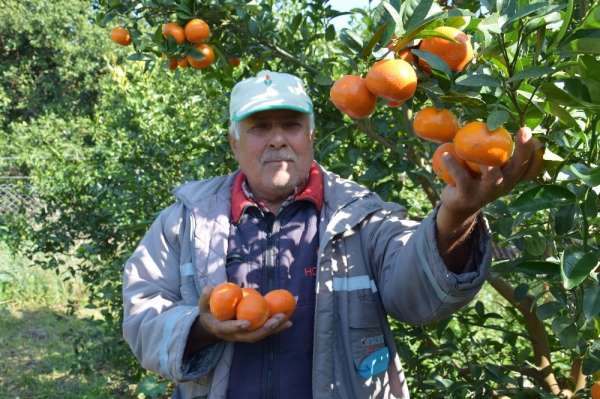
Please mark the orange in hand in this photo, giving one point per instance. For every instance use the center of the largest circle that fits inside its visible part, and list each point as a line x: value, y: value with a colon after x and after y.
x: 196, y: 31
x: 438, y: 165
x: 475, y: 143
x: 474, y: 167
x: 249, y: 291
x: 456, y: 55
x: 253, y: 308
x: 224, y: 299
x: 394, y: 80
x: 350, y: 95
x: 281, y: 301
x: 438, y: 125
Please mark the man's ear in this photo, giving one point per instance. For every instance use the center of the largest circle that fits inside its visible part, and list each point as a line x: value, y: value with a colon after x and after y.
x: 233, y: 144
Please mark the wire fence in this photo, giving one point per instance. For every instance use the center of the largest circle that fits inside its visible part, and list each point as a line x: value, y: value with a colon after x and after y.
x: 16, y: 193
x: 16, y: 197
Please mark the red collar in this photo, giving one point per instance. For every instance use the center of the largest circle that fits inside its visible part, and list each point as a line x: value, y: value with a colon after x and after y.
x: 313, y: 192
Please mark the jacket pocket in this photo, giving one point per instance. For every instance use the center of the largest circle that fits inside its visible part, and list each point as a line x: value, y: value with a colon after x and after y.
x: 367, y: 343
x: 187, y: 287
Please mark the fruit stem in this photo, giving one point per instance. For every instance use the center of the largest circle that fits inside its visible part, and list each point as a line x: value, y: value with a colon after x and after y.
x: 508, y: 87
x: 285, y: 54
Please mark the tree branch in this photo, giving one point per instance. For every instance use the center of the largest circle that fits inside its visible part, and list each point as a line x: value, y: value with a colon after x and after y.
x: 425, y: 184
x: 537, y: 333
x: 577, y: 375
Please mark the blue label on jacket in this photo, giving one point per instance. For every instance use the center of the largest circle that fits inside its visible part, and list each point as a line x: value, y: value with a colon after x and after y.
x: 374, y: 363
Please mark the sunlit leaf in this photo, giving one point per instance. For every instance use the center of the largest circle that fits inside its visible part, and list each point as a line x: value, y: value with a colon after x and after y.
x: 543, y: 197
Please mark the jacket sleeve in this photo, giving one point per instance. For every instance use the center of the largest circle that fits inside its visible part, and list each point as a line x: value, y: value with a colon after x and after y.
x: 413, y: 281
x: 156, y: 323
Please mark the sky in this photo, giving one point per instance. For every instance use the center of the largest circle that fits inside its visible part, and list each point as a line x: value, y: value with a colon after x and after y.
x: 345, y: 5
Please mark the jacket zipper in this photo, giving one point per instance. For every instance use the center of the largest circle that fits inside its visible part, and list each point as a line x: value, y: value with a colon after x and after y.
x: 273, y: 227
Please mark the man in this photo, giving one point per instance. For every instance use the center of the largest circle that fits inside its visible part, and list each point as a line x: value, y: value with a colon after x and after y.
x: 282, y: 221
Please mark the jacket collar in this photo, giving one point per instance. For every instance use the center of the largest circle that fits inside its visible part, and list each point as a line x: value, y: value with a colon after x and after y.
x: 337, y: 193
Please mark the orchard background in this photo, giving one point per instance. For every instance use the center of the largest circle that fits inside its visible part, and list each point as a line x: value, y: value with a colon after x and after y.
x: 102, y: 133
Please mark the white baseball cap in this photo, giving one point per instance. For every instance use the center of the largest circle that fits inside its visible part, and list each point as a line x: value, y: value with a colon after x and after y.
x: 268, y: 91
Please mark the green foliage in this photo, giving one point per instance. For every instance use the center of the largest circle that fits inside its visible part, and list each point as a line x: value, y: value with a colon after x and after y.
x: 106, y: 132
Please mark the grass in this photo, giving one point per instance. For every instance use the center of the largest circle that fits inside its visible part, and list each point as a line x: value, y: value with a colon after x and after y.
x: 42, y: 319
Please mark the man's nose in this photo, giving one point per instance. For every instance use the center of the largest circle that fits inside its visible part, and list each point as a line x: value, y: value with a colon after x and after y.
x: 277, y: 138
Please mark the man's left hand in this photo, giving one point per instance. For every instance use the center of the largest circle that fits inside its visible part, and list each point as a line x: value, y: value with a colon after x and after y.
x: 472, y: 193
x: 461, y: 203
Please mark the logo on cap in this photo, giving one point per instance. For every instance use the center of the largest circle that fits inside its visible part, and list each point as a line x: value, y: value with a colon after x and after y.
x: 268, y: 80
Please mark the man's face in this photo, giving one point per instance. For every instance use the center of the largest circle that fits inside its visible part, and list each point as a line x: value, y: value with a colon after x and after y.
x: 274, y: 152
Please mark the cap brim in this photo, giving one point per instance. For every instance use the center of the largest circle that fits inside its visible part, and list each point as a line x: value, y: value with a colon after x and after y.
x: 270, y: 107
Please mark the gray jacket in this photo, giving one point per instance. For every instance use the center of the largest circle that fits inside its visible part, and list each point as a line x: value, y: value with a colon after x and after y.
x: 372, y: 262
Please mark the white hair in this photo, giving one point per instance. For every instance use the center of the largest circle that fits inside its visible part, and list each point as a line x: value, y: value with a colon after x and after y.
x: 234, y: 127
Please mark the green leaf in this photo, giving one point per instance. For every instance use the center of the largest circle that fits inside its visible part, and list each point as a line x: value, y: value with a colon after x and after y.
x: 295, y: 24
x: 591, y: 362
x: 183, y: 11
x: 425, y: 33
x: 590, y: 204
x: 139, y: 57
x: 366, y: 52
x: 330, y: 33
x: 479, y: 80
x: 196, y: 54
x: 529, y: 267
x: 521, y: 292
x: 591, y: 301
x: 563, y: 28
x: 496, y: 119
x: 547, y: 310
x: 393, y: 13
x: 351, y: 39
x: 558, y: 95
x: 562, y: 114
x: 583, y: 41
x: 564, y: 219
x: 471, y: 102
x: 418, y: 15
x: 576, y: 265
x: 535, y: 244
x: 540, y: 9
x: 386, y: 19
x: 253, y: 27
x: 589, y: 176
x: 323, y: 80
x: 566, y: 331
x: 433, y: 61
x: 492, y: 24
x: 543, y: 197
x: 531, y: 73
x: 593, y: 18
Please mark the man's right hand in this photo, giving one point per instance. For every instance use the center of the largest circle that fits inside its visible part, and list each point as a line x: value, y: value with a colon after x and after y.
x: 237, y: 330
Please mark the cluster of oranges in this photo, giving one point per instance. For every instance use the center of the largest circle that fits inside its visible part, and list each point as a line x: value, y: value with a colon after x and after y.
x: 395, y: 80
x: 471, y: 146
x: 229, y: 301
x: 195, y: 32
